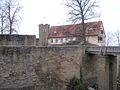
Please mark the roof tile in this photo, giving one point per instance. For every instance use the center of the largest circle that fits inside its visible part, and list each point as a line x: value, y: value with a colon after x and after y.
x: 92, y: 28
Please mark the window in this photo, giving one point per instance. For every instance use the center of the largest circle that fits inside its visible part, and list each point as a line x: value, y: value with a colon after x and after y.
x: 61, y: 40
x: 78, y: 31
x: 55, y: 32
x: 101, y: 31
x: 44, y: 30
x: 51, y: 40
x: 100, y: 39
x: 71, y: 39
x: 91, y: 30
x: 66, y: 39
x: 56, y: 40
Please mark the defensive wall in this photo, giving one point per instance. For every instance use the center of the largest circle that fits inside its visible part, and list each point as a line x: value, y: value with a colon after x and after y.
x: 101, y: 69
x: 13, y: 40
x: 33, y: 68
x: 26, y: 66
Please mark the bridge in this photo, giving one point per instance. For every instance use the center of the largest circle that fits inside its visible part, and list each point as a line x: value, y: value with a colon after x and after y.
x: 103, y: 50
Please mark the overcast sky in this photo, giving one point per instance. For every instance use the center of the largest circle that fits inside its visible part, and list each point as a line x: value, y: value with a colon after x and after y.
x: 53, y: 12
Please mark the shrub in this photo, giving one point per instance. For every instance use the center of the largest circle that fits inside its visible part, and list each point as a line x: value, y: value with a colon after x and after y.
x: 75, y: 84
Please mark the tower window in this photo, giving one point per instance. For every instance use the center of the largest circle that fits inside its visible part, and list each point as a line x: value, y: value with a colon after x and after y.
x: 44, y: 30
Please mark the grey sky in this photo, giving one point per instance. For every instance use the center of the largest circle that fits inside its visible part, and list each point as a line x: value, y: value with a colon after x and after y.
x: 53, y: 12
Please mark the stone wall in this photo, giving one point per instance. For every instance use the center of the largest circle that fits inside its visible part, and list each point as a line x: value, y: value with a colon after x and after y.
x: 100, y: 70
x: 17, y: 40
x: 51, y: 68
x: 38, y: 68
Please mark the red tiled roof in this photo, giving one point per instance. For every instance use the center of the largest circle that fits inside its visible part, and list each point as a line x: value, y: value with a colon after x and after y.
x: 92, y: 28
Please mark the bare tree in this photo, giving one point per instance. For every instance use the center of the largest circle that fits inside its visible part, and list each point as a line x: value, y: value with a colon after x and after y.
x: 1, y: 21
x: 109, y: 39
x: 117, y: 37
x: 81, y: 10
x: 2, y: 18
x: 10, y: 9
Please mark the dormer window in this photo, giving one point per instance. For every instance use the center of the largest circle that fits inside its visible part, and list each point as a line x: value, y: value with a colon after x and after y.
x: 77, y: 31
x: 55, y: 32
x: 91, y: 30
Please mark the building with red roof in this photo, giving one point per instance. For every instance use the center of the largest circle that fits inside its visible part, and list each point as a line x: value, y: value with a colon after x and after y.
x: 70, y: 34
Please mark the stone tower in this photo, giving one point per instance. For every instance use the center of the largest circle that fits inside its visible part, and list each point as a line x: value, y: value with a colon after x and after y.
x: 43, y: 34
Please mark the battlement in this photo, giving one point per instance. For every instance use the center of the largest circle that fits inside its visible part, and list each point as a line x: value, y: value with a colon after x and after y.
x: 12, y: 40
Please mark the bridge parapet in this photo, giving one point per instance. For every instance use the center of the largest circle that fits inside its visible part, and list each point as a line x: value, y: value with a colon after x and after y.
x: 105, y: 50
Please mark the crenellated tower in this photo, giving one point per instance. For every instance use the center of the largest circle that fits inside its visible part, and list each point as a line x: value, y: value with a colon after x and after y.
x: 43, y: 34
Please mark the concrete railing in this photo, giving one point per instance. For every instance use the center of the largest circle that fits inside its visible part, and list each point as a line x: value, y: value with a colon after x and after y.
x: 103, y: 50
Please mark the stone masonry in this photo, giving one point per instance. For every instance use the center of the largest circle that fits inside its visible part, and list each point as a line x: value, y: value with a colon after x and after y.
x: 15, y: 40
x: 38, y: 68
x: 25, y: 66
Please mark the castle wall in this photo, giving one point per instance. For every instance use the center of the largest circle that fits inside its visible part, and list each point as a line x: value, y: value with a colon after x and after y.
x: 12, y: 40
x: 38, y: 68
x: 100, y: 70
x: 29, y: 67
